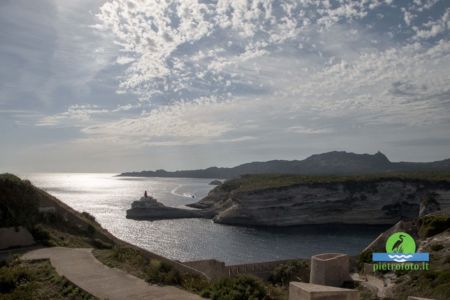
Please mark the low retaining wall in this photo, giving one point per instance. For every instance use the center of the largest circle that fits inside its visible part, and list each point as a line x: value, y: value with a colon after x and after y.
x: 217, y: 269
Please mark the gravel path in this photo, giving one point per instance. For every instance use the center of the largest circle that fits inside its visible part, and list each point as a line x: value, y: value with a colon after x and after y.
x: 80, y: 267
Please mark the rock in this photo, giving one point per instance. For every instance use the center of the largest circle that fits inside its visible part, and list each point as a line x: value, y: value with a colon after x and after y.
x: 428, y: 204
x: 215, y: 182
x: 163, y: 213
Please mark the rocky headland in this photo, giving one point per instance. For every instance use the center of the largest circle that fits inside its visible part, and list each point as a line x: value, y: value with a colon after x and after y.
x: 283, y: 200
x: 148, y: 208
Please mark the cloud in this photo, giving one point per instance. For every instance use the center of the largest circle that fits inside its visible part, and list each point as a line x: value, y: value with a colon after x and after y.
x: 75, y: 115
x: 305, y: 130
x: 184, y: 47
x: 181, y: 123
x: 257, y: 77
x: 434, y: 28
x: 252, y: 62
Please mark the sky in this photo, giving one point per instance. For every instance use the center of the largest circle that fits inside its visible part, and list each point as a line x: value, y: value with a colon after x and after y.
x: 121, y: 85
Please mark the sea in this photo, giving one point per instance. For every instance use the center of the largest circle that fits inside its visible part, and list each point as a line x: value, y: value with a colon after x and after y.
x: 108, y: 196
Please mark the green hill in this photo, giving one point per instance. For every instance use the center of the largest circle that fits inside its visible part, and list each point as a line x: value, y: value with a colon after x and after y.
x: 330, y: 163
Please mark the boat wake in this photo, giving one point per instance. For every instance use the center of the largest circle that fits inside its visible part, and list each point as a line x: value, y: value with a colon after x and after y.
x: 184, y: 195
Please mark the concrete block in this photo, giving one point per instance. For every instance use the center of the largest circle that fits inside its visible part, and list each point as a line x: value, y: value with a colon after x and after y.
x: 309, y: 291
x: 330, y: 269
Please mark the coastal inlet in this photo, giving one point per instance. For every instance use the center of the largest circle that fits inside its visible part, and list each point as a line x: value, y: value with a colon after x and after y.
x: 108, y: 197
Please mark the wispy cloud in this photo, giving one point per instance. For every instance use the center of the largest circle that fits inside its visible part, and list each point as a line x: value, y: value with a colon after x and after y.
x: 76, y: 114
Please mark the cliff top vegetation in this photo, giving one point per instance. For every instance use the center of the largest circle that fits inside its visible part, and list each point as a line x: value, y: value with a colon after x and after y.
x: 267, y: 181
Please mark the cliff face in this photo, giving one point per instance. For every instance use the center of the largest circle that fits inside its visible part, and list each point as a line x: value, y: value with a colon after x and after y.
x: 373, y: 202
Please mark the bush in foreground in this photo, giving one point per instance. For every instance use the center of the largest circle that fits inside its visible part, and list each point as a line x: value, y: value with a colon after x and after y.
x: 290, y: 271
x: 35, y: 280
x: 162, y: 273
x: 243, y: 287
x: 433, y: 224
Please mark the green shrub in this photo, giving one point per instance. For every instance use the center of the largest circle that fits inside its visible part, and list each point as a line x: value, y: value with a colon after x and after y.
x: 88, y: 216
x: 40, y: 234
x: 437, y: 247
x: 129, y: 256
x: 442, y: 291
x: 90, y: 230
x: 242, y: 287
x: 19, y: 202
x: 163, y: 273
x: 11, y: 278
x: 443, y: 277
x: 100, y: 244
x: 434, y: 224
x: 364, y: 257
x: 447, y: 260
x: 194, y: 283
x: 290, y: 271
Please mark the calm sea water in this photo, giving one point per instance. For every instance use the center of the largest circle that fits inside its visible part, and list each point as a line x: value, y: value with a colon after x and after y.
x: 108, y: 197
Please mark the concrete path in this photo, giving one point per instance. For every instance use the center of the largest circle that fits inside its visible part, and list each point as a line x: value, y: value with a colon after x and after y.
x: 80, y: 267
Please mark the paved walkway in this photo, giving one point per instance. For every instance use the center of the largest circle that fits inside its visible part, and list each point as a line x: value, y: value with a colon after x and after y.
x: 80, y: 267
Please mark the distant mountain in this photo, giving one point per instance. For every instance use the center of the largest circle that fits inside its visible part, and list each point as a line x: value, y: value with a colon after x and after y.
x: 330, y: 163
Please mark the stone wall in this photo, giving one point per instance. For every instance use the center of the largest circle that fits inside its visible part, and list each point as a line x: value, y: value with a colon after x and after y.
x: 217, y: 269
x: 212, y: 268
x: 15, y: 237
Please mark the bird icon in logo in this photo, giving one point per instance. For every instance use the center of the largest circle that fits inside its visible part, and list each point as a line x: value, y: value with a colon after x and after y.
x: 398, y: 245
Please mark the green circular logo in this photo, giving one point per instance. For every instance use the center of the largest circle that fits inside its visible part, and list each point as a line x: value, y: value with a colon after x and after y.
x: 400, y: 242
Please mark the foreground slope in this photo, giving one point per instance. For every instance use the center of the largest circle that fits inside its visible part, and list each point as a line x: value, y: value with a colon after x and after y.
x: 53, y: 223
